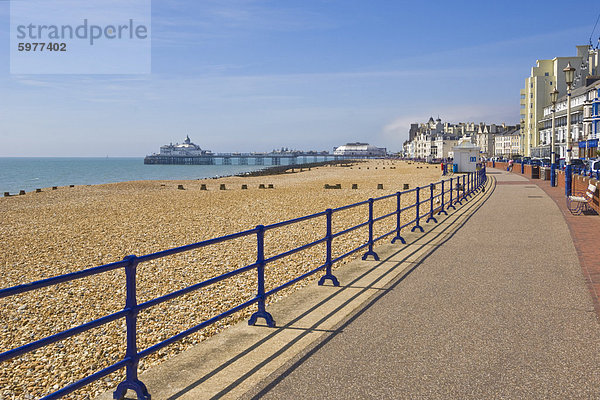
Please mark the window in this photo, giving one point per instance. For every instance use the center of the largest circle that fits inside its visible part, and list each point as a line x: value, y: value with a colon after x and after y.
x: 546, y: 74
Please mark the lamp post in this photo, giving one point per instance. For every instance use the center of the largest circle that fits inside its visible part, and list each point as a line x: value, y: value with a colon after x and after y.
x: 569, y: 75
x: 522, y: 144
x: 553, y: 99
x: 587, y: 139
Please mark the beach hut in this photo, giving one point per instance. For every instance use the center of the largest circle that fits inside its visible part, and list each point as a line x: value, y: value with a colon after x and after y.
x: 466, y: 157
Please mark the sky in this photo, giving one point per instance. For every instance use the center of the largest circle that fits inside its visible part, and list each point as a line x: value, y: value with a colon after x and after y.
x: 253, y: 75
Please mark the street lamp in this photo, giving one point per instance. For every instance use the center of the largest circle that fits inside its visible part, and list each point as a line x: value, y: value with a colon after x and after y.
x: 522, y: 146
x: 569, y: 75
x: 553, y: 99
x: 588, y: 130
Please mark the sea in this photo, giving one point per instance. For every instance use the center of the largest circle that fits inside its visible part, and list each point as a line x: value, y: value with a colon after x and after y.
x: 25, y: 173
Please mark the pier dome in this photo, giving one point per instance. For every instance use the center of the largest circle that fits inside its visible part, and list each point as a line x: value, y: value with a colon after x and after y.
x: 187, y: 148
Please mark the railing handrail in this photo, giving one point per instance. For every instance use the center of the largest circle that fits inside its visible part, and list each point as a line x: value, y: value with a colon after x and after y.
x: 471, y: 182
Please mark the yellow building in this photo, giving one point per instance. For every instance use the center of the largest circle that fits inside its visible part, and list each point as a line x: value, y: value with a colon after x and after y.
x: 546, y: 75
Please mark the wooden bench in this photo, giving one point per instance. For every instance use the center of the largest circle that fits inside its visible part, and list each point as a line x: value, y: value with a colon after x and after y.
x: 580, y: 202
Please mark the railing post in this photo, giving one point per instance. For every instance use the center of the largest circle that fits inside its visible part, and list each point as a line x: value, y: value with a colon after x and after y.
x: 431, y: 217
x: 568, y: 179
x: 471, y: 183
x: 418, y: 212
x: 329, y: 236
x: 131, y: 355
x: 398, y: 222
x: 442, y: 209
x: 485, y: 178
x: 522, y: 167
x: 371, y: 252
x: 464, y: 187
x: 458, y: 199
x: 450, y: 203
x: 260, y: 268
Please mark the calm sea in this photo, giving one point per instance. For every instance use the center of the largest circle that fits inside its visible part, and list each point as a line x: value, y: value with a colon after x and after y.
x: 28, y: 174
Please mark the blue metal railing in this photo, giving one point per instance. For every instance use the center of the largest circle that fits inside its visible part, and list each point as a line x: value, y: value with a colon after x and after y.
x: 584, y: 171
x: 471, y: 183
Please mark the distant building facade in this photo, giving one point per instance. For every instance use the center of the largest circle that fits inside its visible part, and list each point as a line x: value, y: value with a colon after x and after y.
x: 442, y: 146
x: 435, y: 140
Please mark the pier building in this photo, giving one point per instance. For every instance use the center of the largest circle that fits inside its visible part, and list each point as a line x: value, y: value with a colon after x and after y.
x: 360, y: 149
x: 189, y: 153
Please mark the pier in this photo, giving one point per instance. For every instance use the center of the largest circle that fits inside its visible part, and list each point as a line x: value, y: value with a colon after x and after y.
x: 247, y: 159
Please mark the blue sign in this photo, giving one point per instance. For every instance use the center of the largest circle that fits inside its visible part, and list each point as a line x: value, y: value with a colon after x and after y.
x: 473, y: 159
x: 590, y: 143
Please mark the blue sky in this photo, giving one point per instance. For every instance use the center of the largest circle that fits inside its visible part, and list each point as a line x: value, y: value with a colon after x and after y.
x: 252, y: 75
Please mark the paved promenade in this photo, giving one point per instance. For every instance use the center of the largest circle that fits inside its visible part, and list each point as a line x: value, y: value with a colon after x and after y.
x: 500, y: 311
x: 489, y: 303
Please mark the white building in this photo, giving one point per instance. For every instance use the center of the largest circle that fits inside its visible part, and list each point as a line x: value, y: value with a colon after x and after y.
x: 434, y: 139
x: 359, y: 149
x: 582, y: 128
x: 485, y: 138
x: 507, y: 143
x: 409, y: 149
x: 187, y: 148
x: 422, y: 145
x: 442, y: 146
x: 502, y: 146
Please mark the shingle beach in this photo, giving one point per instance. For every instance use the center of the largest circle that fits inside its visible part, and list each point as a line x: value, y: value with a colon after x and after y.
x: 59, y: 231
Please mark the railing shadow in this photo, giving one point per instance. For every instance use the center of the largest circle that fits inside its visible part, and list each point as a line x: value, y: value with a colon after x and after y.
x: 447, y: 232
x: 272, y: 381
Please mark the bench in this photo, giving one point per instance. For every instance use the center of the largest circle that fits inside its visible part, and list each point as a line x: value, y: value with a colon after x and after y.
x: 580, y: 202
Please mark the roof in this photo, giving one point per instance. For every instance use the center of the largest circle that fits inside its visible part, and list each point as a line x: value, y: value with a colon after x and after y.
x: 358, y: 146
x: 581, y: 90
x: 466, y: 145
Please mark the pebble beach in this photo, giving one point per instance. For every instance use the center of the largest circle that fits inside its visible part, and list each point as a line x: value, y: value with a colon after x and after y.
x: 69, y: 229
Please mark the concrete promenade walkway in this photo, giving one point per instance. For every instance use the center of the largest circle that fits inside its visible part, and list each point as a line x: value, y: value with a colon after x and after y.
x: 489, y: 303
x: 500, y: 311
